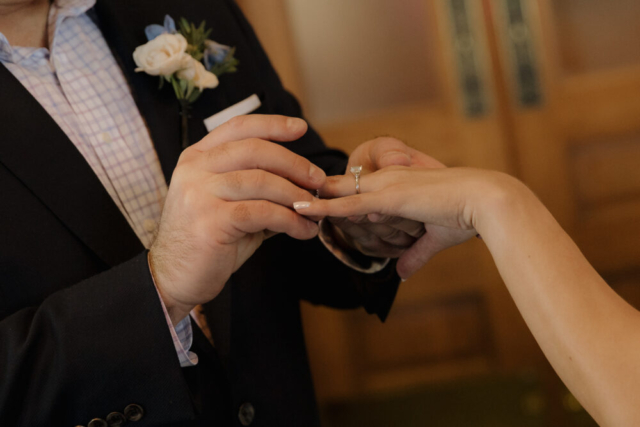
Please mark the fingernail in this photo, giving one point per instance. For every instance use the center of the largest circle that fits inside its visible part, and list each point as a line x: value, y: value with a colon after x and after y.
x: 301, y: 205
x: 316, y: 174
x: 295, y: 124
x: 397, y: 153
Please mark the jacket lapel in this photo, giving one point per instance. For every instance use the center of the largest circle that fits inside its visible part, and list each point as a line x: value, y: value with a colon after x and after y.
x: 122, y: 23
x: 37, y: 151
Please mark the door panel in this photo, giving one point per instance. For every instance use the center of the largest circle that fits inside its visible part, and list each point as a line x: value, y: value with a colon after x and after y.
x: 545, y: 90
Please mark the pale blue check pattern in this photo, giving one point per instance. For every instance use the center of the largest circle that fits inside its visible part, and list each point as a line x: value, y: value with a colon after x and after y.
x: 79, y: 83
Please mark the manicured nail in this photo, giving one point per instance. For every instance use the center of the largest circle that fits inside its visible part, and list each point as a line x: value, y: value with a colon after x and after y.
x: 316, y: 174
x: 301, y: 205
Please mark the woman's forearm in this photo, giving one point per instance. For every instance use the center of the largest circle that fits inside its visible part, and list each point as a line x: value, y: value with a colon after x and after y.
x: 590, y: 335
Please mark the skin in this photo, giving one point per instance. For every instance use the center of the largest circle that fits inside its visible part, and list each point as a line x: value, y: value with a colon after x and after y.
x: 233, y: 190
x: 249, y: 183
x: 24, y: 22
x: 590, y: 335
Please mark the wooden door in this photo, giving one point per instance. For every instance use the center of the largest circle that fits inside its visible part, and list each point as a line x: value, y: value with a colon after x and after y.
x: 545, y: 90
x: 578, y: 147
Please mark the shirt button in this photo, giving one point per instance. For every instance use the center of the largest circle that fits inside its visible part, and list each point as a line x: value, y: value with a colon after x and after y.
x: 133, y: 412
x: 105, y: 137
x: 149, y: 225
x: 246, y: 414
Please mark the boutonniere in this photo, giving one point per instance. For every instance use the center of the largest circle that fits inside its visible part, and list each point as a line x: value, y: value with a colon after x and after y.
x: 186, y: 59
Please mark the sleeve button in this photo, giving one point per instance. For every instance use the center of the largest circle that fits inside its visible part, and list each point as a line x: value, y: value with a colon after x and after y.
x: 97, y: 422
x: 116, y: 419
x: 133, y: 412
x: 246, y: 414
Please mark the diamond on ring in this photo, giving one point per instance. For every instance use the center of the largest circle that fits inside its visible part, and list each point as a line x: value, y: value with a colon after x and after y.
x: 356, y: 170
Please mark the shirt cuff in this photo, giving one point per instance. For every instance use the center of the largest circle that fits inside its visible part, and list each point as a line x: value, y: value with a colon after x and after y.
x: 327, y: 238
x: 181, y: 334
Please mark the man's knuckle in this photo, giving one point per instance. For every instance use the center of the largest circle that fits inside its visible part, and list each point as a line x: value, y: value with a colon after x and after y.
x: 233, y: 181
x: 237, y: 122
x: 258, y: 179
x: 241, y: 213
x: 390, y: 141
x: 299, y: 163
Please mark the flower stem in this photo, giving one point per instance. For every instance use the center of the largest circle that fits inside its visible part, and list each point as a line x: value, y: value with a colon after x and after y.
x: 184, y: 112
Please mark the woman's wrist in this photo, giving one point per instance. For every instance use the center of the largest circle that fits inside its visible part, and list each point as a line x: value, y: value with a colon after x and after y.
x: 502, y: 200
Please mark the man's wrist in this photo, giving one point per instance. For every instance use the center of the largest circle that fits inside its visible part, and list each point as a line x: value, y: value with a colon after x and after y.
x: 177, y: 311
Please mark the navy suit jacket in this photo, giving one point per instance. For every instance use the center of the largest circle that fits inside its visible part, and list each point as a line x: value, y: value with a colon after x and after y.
x: 82, y: 332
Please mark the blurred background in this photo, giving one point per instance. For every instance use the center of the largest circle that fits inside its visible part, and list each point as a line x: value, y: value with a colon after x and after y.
x: 546, y: 90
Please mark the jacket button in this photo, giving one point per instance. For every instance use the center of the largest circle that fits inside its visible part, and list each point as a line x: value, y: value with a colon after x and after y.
x: 133, y: 412
x: 97, y: 422
x: 116, y: 419
x: 246, y: 414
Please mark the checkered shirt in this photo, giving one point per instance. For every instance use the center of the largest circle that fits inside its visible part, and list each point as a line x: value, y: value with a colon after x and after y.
x: 79, y: 83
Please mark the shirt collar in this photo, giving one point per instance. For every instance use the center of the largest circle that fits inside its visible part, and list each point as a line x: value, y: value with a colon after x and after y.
x: 59, y: 9
x: 6, y: 52
x: 72, y: 7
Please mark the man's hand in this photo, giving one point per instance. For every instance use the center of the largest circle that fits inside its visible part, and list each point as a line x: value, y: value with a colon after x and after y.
x: 228, y: 193
x: 377, y: 235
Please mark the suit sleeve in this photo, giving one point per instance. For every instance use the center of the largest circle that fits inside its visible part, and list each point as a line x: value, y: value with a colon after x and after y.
x: 327, y: 281
x: 113, y: 321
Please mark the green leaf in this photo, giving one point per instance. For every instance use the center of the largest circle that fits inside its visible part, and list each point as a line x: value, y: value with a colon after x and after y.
x: 190, y: 87
x: 176, y: 87
x: 183, y: 87
x: 184, y: 23
x: 194, y: 96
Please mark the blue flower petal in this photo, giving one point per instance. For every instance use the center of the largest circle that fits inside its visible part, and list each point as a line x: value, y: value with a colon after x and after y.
x: 169, y: 25
x: 153, y: 31
x: 214, y: 53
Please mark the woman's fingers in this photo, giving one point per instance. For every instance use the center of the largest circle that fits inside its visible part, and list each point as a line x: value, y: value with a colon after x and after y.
x: 344, y: 207
x: 342, y: 186
x: 268, y: 127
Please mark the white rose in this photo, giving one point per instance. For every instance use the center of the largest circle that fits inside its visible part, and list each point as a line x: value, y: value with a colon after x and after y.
x: 198, y: 75
x: 163, y: 55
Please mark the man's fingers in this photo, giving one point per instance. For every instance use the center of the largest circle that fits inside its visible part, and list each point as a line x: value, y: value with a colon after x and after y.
x: 419, y: 159
x: 417, y: 256
x: 269, y: 127
x: 388, y: 151
x: 390, y: 235
x: 254, y: 216
x: 257, y: 184
x: 259, y: 154
x: 413, y: 228
x: 365, y: 241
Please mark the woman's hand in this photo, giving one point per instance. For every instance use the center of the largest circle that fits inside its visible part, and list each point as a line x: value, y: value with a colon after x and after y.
x: 447, y: 201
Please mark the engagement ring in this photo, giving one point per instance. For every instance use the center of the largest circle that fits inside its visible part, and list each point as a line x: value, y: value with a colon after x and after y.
x: 355, y: 170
